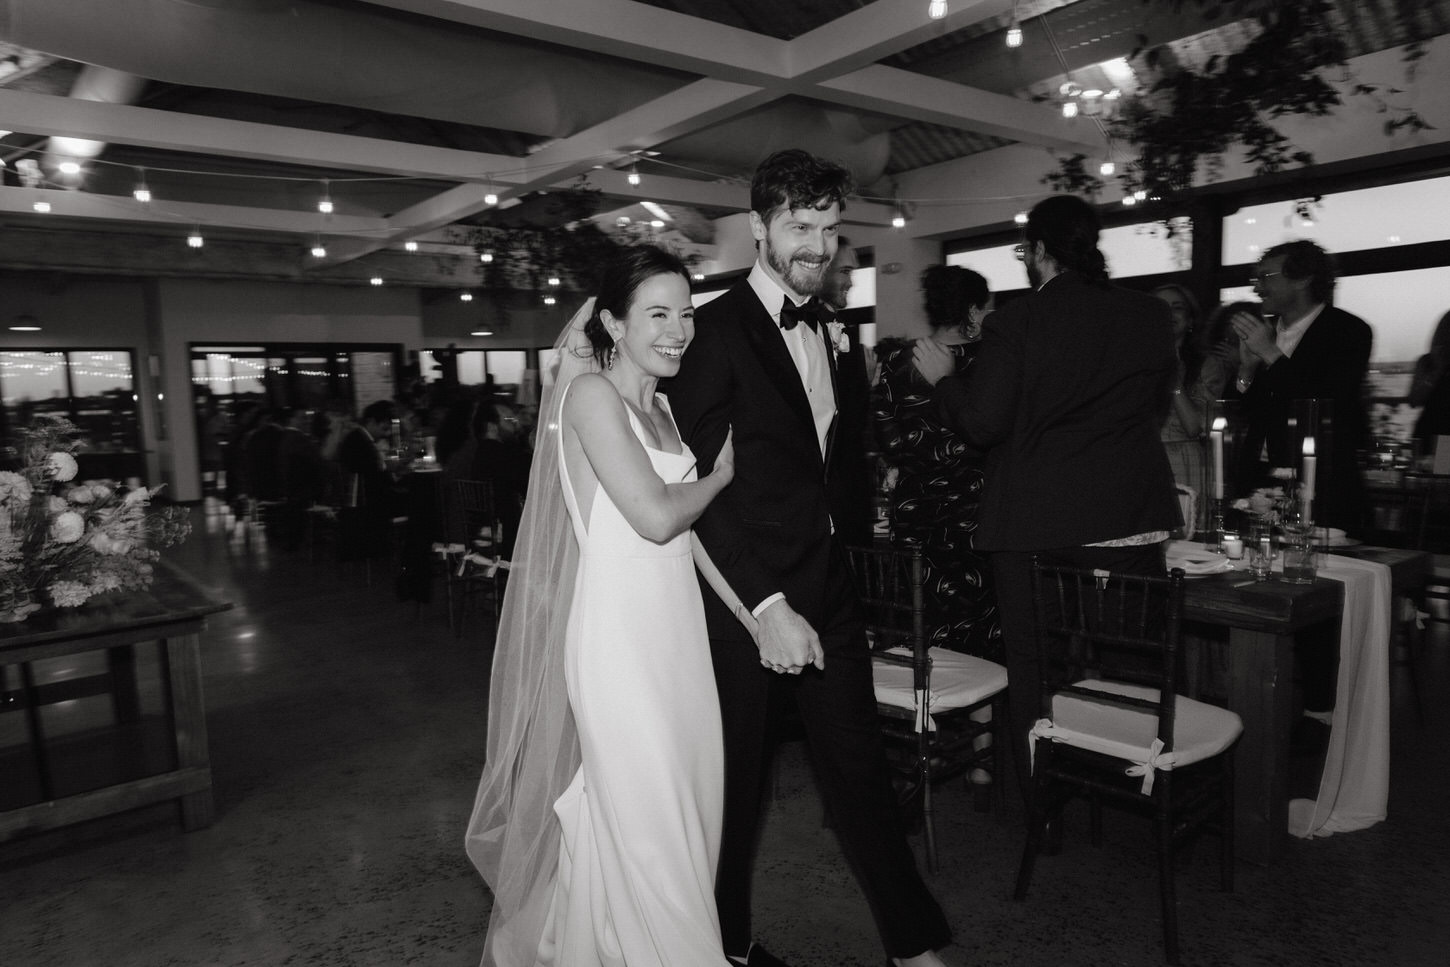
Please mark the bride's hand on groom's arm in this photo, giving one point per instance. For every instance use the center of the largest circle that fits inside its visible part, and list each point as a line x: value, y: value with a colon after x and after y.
x: 787, y: 642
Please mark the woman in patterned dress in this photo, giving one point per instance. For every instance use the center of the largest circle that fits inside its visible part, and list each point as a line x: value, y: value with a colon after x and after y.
x: 939, y: 477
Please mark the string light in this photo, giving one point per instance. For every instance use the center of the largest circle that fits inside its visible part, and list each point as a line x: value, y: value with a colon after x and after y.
x: 69, y: 167
x: 549, y: 300
x: 553, y: 280
x: 1129, y: 201
x: 1107, y: 169
x: 195, y: 240
x: 936, y: 9
x: 466, y: 296
x: 42, y: 206
x: 1014, y: 32
x: 899, y: 219
x: 376, y: 280
x: 141, y: 192
x: 1020, y: 218
x: 491, y: 198
x: 319, y: 251
x: 485, y: 257
x: 633, y: 178
x: 324, y: 205
x: 410, y: 246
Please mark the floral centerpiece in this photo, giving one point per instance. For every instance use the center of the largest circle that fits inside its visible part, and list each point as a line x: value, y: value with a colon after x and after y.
x: 63, y: 542
x: 1277, y: 505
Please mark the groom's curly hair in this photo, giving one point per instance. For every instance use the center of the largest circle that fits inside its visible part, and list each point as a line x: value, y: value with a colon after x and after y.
x: 793, y: 178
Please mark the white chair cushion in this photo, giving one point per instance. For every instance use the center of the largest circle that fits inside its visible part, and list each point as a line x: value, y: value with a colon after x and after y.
x: 1200, y: 731
x: 957, y: 681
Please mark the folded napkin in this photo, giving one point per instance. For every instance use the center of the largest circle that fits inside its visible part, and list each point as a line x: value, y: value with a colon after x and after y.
x: 1195, y: 559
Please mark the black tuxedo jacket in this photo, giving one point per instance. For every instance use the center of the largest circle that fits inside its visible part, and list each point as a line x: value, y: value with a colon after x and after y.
x: 1329, y: 363
x: 770, y: 530
x: 1067, y: 394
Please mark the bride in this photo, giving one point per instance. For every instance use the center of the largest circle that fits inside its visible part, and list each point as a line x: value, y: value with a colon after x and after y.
x: 597, y: 822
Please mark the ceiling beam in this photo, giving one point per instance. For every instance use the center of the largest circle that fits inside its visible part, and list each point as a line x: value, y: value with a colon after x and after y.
x: 184, y: 215
x: 878, y: 30
x: 622, y: 28
x: 917, y: 97
x: 46, y: 115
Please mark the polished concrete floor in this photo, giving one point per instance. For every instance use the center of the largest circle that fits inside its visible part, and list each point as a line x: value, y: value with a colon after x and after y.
x: 346, y: 737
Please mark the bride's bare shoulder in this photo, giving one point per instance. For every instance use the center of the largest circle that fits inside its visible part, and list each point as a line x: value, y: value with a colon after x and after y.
x: 590, y: 395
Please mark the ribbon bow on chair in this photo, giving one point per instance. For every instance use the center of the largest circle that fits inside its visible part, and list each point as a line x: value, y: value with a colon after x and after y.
x: 812, y: 312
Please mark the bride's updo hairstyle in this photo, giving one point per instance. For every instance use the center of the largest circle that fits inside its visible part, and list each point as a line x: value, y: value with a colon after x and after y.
x: 1068, y: 227
x: 631, y: 268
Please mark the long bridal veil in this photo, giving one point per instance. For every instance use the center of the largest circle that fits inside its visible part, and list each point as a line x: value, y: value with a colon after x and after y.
x: 532, y: 745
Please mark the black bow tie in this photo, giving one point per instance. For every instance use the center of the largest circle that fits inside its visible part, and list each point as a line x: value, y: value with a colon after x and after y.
x: 811, y: 312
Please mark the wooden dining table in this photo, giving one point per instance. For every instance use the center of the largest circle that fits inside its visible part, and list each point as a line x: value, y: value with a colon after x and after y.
x: 150, y: 748
x: 1261, y: 620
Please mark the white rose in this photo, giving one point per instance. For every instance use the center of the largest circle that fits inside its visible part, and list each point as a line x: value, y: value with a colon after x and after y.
x: 61, y: 466
x: 14, y: 485
x: 67, y: 528
x: 106, y: 544
x: 84, y: 494
x: 140, y: 495
x: 56, y: 505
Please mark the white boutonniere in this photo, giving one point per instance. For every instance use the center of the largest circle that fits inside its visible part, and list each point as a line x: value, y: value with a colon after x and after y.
x: 840, y: 342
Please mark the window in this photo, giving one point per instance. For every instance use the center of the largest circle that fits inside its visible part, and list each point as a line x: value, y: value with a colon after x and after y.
x: 95, y: 389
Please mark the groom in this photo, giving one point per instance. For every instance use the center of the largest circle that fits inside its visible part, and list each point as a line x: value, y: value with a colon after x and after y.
x: 762, y: 365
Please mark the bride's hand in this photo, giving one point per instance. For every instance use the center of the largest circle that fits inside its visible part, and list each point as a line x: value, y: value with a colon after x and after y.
x: 725, y: 460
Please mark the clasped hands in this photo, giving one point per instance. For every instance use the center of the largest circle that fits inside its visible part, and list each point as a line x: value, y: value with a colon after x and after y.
x: 1256, y: 338
x: 787, y: 642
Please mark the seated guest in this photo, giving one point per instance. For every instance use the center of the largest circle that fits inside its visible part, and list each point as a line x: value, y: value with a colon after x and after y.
x: 494, y: 453
x: 1066, y: 396
x: 368, y: 502
x: 939, y: 484
x: 299, y: 465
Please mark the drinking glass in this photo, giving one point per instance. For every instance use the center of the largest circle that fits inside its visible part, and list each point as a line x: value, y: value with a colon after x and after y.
x: 1259, y: 547
x: 1299, y: 552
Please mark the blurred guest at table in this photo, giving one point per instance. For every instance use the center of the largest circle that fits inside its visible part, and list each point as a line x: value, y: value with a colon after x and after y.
x: 1431, y: 390
x: 1311, y: 350
x: 1183, y: 427
x: 1066, y: 395
x: 299, y: 464
x: 365, y: 524
x: 853, y: 398
x: 246, y: 417
x: 492, y: 451
x: 264, y: 478
x: 939, y: 483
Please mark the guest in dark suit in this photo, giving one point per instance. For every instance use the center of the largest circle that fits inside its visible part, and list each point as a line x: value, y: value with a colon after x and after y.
x: 368, y: 501
x: 1067, y: 394
x: 761, y: 366
x: 1311, y: 350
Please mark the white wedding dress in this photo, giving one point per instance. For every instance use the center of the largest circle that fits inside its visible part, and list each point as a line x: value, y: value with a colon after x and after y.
x: 641, y: 821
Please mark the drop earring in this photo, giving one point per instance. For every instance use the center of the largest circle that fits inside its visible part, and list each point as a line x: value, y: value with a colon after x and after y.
x: 609, y: 358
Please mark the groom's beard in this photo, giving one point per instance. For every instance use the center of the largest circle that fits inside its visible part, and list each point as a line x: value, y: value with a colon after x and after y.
x: 804, y: 272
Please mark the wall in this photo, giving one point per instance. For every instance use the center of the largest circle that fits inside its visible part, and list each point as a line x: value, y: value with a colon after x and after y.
x: 85, y: 312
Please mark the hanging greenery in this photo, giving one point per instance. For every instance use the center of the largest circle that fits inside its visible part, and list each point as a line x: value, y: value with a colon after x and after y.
x: 1184, y: 123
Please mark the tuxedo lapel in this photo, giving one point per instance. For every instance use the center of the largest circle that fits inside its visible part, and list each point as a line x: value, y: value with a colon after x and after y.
x: 775, y: 360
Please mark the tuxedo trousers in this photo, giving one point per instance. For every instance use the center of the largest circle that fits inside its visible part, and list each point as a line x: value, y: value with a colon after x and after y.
x: 1012, y: 571
x: 837, y: 708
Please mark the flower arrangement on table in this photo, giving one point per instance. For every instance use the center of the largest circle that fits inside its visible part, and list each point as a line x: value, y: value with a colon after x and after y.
x: 1278, y: 504
x: 63, y: 542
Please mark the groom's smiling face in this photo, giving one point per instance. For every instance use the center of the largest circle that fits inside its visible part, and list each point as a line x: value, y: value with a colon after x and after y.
x: 798, y: 245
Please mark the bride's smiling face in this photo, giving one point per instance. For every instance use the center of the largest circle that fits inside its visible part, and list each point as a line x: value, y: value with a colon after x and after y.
x: 660, y: 322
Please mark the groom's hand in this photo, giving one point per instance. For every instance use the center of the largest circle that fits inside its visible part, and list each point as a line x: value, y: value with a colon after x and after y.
x: 787, y: 641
